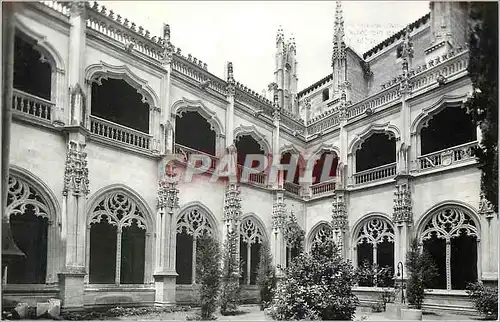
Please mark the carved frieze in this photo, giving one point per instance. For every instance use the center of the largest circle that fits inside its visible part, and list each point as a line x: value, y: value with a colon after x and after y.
x: 403, y: 212
x: 339, y: 211
x: 232, y: 204
x: 76, y: 173
x: 279, y: 212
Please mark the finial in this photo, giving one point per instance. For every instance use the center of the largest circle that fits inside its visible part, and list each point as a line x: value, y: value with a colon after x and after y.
x: 230, y: 71
x: 338, y: 34
x: 280, y: 35
x: 166, y: 32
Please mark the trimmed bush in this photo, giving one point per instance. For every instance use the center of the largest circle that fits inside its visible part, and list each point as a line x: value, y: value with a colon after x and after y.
x: 422, y: 272
x: 316, y: 287
x: 485, y: 299
x: 266, y: 276
x: 208, y: 273
x: 230, y: 290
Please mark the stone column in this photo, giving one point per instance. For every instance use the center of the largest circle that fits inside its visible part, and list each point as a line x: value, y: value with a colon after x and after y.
x: 278, y: 246
x: 166, y: 125
x: 165, y: 273
x: 231, y: 88
x: 275, y: 154
x: 74, y: 220
x: 232, y: 220
x: 489, y: 242
x: 340, y: 223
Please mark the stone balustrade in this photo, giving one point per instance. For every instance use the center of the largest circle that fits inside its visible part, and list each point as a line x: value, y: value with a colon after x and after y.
x: 322, y: 188
x: 447, y: 157
x: 378, y: 173
x: 186, y: 153
x: 119, y: 133
x: 292, y: 187
x: 32, y: 105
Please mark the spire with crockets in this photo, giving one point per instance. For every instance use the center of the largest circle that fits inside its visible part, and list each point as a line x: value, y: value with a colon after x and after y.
x: 338, y: 34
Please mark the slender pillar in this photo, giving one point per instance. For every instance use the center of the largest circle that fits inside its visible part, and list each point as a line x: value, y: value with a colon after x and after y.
x: 231, y: 88
x: 165, y: 272
x: 278, y: 232
x: 167, y: 130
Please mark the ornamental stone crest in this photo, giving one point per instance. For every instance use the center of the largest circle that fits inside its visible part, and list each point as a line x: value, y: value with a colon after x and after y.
x: 402, y: 204
x: 231, y: 83
x: 485, y: 207
x: 232, y: 203
x: 76, y: 173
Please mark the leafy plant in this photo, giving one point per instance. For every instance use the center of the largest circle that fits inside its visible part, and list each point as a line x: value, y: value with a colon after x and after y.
x: 317, y: 286
x: 208, y: 273
x: 422, y: 273
x: 483, y: 105
x: 374, y: 275
x: 485, y: 299
x: 230, y: 291
x: 266, y: 276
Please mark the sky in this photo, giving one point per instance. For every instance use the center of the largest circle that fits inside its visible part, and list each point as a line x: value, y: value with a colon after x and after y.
x: 244, y: 32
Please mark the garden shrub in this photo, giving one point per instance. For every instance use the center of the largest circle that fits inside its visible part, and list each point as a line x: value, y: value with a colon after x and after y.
x: 230, y: 290
x: 422, y: 273
x: 373, y: 275
x: 266, y: 276
x: 317, y: 286
x: 485, y: 299
x: 208, y: 274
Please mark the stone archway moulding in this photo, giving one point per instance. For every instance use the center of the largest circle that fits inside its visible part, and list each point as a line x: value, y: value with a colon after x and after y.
x: 42, y: 45
x: 204, y: 210
x: 386, y: 226
x: 422, y: 120
x: 97, y: 72
x: 255, y: 134
x: 186, y: 105
x: 390, y: 129
x: 325, y: 147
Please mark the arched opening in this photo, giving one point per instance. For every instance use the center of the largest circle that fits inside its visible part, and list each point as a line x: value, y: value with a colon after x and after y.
x: 117, y: 101
x: 450, y: 127
x: 117, y: 241
x: 375, y: 252
x: 28, y: 213
x: 246, y: 145
x: 449, y: 233
x: 193, y: 131
x: 27, y: 63
x: 320, y: 234
x: 326, y: 94
x: 286, y: 158
x: 191, y: 225
x: 251, y: 238
x: 328, y: 160
x: 294, y: 239
x: 377, y: 150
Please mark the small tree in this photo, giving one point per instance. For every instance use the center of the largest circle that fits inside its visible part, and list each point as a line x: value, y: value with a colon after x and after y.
x: 208, y: 273
x: 266, y: 276
x: 422, y: 273
x: 317, y: 286
x: 485, y: 299
x: 230, y: 292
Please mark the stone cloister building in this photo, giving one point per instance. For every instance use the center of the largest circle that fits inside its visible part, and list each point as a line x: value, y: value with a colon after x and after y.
x: 98, y: 103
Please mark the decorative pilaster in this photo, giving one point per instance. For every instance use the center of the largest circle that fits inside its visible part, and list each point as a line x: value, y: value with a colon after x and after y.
x: 276, y: 140
x: 402, y: 219
x: 231, y: 88
x: 166, y: 135
x: 74, y: 222
x: 77, y: 37
x: 339, y: 61
x: 166, y: 238
x: 232, y: 215
x: 489, y: 237
x: 279, y: 217
x: 340, y: 223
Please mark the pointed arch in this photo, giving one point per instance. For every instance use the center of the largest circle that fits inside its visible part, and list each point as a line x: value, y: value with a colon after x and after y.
x: 186, y: 105
x: 196, y: 218
x: 319, y: 231
x: 422, y: 120
x: 325, y: 147
x: 373, y: 228
x: 42, y: 45
x: 252, y: 131
x: 95, y: 73
x: 28, y: 195
x: 120, y: 195
x: 390, y: 129
x: 257, y: 224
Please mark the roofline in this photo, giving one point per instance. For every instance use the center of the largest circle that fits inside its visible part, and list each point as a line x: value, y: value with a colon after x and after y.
x: 396, y: 36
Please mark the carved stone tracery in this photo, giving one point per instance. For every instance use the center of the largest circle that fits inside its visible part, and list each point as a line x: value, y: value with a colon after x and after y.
x: 21, y: 196
x: 194, y: 223
x: 120, y: 211
x: 449, y: 222
x: 322, y: 233
x: 375, y: 231
x: 251, y: 232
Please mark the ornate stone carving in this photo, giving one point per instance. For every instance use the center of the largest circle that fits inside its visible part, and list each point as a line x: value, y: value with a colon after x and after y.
x: 77, y: 8
x: 449, y: 222
x: 168, y: 49
x: 120, y: 211
x: 374, y: 231
x: 406, y: 55
x: 339, y: 47
x: 232, y: 204
x: 194, y: 223
x: 22, y: 196
x: 231, y: 83
x: 76, y: 173
x: 339, y: 212
x: 403, y: 212
x: 485, y: 207
x: 251, y: 232
x: 168, y: 194
x: 279, y: 212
